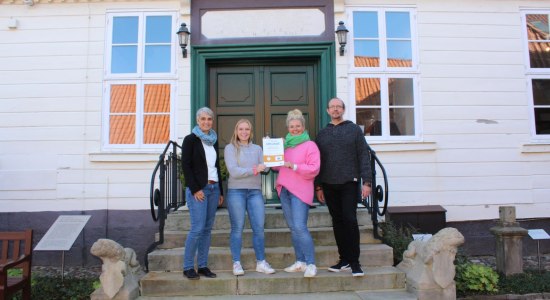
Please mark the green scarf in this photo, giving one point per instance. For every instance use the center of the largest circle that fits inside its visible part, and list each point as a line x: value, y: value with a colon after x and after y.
x: 295, y: 140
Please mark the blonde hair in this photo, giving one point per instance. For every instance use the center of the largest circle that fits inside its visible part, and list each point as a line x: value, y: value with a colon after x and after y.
x: 235, y: 137
x: 295, y: 114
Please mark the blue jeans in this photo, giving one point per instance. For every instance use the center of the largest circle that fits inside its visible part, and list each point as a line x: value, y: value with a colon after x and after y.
x: 251, y: 201
x: 296, y: 213
x: 202, y: 216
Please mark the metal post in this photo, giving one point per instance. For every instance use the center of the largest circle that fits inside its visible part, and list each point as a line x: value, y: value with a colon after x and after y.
x: 62, y: 266
x: 538, y: 255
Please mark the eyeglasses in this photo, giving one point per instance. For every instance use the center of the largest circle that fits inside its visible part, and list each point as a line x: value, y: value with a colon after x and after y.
x: 335, y: 107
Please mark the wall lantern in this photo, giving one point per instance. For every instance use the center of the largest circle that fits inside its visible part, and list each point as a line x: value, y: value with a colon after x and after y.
x: 183, y: 37
x: 342, y: 34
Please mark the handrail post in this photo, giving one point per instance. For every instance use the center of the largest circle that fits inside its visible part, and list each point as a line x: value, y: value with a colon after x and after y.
x: 374, y: 204
x: 174, y: 181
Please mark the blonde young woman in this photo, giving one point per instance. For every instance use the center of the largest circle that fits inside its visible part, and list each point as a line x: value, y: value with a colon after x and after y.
x: 244, y: 162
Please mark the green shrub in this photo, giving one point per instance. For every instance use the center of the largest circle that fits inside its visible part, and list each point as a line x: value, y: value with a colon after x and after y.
x: 475, y: 279
x: 397, y: 237
x: 51, y: 288
x: 530, y: 281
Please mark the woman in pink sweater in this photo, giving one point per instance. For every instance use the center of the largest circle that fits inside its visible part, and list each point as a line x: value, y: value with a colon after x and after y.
x: 295, y: 189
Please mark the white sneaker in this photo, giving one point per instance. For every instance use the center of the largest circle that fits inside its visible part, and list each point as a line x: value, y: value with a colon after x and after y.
x: 237, y: 268
x: 298, y: 266
x: 264, y: 267
x: 311, y: 271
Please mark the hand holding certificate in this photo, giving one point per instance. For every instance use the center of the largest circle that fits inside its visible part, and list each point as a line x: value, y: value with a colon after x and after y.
x: 274, y: 152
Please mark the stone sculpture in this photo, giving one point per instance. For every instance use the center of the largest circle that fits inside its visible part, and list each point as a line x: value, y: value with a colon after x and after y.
x: 429, y: 265
x: 119, y: 273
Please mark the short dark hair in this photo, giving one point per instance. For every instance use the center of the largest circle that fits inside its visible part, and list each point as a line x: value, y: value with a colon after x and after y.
x: 336, y: 98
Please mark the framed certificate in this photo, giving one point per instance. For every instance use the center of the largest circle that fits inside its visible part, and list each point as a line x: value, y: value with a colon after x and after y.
x: 274, y: 152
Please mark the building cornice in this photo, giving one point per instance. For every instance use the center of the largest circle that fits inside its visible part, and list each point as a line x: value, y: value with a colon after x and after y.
x: 184, y: 3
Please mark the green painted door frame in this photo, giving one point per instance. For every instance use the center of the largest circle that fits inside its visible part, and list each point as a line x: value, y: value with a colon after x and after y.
x: 201, y: 56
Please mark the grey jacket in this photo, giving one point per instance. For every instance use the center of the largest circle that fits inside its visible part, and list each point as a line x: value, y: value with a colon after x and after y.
x: 345, y: 154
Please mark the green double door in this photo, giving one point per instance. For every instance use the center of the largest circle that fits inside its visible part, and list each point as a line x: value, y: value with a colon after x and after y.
x: 263, y: 93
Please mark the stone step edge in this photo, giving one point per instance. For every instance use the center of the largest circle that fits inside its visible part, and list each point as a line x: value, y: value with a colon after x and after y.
x: 290, y: 249
x: 248, y: 230
x: 273, y: 210
x: 252, y: 283
x: 381, y: 255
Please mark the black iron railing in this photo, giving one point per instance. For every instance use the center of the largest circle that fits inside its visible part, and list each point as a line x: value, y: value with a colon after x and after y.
x: 377, y: 202
x: 166, y: 191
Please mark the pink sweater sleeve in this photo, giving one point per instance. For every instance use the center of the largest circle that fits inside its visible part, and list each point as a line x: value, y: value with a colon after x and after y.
x: 300, y: 182
x: 312, y: 164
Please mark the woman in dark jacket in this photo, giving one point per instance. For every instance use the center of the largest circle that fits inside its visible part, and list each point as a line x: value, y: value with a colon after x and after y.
x: 201, y: 169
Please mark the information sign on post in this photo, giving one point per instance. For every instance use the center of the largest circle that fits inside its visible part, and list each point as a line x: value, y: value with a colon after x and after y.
x: 63, y: 233
x: 537, y: 235
x: 61, y: 236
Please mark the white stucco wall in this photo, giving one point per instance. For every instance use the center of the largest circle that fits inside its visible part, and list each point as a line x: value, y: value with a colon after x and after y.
x: 475, y: 151
x: 51, y: 89
x: 473, y: 154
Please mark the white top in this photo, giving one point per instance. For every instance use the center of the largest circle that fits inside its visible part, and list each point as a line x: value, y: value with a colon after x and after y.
x: 210, y: 154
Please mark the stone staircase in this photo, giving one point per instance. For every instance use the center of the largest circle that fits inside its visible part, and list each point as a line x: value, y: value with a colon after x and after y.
x: 165, y: 277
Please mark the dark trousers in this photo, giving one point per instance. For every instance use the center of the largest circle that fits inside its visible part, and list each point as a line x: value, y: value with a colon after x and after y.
x: 341, y: 200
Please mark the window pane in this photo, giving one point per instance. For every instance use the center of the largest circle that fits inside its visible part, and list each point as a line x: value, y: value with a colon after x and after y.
x: 367, y: 91
x: 398, y: 25
x: 542, y: 120
x: 401, y: 121
x: 541, y: 92
x: 399, y: 54
x: 156, y: 129
x: 367, y: 54
x: 157, y: 59
x: 400, y: 91
x: 369, y: 119
x: 537, y: 27
x: 125, y: 30
x: 124, y: 59
x: 122, y: 129
x: 539, y: 54
x: 123, y: 98
x: 365, y: 24
x: 156, y: 98
x: 158, y: 29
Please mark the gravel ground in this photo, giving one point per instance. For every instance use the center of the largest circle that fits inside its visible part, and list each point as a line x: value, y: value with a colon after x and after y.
x: 529, y: 262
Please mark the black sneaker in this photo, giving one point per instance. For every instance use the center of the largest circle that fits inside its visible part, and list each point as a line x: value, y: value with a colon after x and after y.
x: 206, y: 272
x: 340, y: 266
x: 356, y: 270
x: 191, y: 274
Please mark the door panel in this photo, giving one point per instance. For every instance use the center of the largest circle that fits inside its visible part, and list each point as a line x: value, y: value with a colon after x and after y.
x: 287, y: 88
x: 264, y: 94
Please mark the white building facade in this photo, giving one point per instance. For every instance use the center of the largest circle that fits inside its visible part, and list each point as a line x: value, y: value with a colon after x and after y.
x: 454, y: 97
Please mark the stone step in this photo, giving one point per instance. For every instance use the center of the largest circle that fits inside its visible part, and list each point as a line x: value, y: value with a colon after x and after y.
x: 372, y: 255
x: 318, y: 217
x: 279, y: 237
x: 346, y: 295
x: 163, y: 284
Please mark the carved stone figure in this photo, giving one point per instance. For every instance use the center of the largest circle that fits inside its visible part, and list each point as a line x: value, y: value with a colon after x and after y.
x: 119, y: 273
x: 429, y: 265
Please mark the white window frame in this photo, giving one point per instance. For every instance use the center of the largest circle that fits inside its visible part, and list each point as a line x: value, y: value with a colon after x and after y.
x: 138, y: 143
x: 140, y: 79
x: 533, y: 74
x: 141, y: 46
x: 384, y: 72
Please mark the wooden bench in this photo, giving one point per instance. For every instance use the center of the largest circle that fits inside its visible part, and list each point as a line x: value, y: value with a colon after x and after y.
x: 16, y: 253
